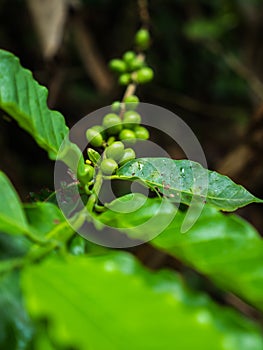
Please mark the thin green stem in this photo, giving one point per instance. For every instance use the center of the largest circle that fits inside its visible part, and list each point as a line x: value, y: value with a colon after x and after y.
x: 56, y: 238
x: 93, y: 199
x: 33, y: 238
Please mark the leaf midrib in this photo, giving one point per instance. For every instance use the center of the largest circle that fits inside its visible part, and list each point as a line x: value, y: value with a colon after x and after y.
x: 130, y: 178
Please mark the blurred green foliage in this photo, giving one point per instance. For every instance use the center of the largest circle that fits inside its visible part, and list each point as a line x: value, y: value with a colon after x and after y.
x: 191, y: 80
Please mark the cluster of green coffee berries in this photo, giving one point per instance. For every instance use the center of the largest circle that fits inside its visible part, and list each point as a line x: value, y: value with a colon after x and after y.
x: 111, y: 135
x: 123, y: 123
x: 115, y: 155
x: 114, y: 127
x: 132, y: 67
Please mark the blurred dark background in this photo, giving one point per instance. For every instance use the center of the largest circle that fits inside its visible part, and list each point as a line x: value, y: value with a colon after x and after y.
x: 207, y: 57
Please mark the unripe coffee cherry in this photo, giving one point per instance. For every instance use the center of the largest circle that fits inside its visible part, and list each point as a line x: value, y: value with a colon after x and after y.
x: 116, y: 106
x: 112, y: 123
x: 108, y: 166
x: 131, y: 102
x: 115, y: 150
x: 77, y: 245
x: 142, y: 39
x: 135, y: 64
x: 100, y: 129
x: 118, y: 65
x: 127, y: 135
x: 131, y: 119
x: 86, y: 173
x: 128, y: 155
x: 110, y: 140
x: 128, y: 57
x: 124, y: 79
x: 94, y: 137
x: 144, y: 75
x: 141, y: 133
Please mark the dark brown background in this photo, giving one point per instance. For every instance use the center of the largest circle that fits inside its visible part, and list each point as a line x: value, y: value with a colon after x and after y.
x: 214, y: 85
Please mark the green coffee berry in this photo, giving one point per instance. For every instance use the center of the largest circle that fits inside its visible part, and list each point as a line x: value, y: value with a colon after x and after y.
x: 116, y: 106
x: 131, y: 119
x: 129, y: 56
x: 131, y: 102
x: 135, y: 64
x: 131, y: 98
x: 115, y: 150
x: 112, y: 123
x: 108, y: 166
x: 86, y: 173
x: 118, y: 65
x: 141, y: 133
x: 144, y: 75
x: 110, y: 140
x: 94, y: 137
x: 124, y: 79
x: 77, y: 245
x: 142, y: 39
x: 127, y: 135
x: 128, y: 155
x: 100, y: 129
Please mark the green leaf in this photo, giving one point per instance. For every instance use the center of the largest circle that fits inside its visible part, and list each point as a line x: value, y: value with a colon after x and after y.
x: 93, y: 155
x: 26, y: 101
x: 184, y: 181
x: 43, y: 217
x: 12, y: 217
x: 16, y: 329
x: 37, y: 220
x: 112, y: 302
x: 48, y: 230
x: 13, y: 246
x: 225, y: 248
x: 41, y: 339
x: 139, y: 216
x: 38, y: 223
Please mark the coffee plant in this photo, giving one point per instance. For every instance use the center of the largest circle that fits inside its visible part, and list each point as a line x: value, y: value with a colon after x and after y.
x: 61, y: 291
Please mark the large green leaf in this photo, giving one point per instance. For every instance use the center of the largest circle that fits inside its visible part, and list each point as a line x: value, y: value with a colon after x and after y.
x: 224, y: 247
x: 140, y: 217
x: 184, y: 180
x: 26, y: 101
x: 13, y: 246
x: 16, y: 328
x: 12, y: 217
x: 111, y: 302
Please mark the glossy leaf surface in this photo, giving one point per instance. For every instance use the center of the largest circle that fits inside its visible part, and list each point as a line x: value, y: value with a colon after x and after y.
x: 26, y: 101
x: 112, y: 302
x: 226, y: 248
x: 183, y: 181
x: 12, y: 217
